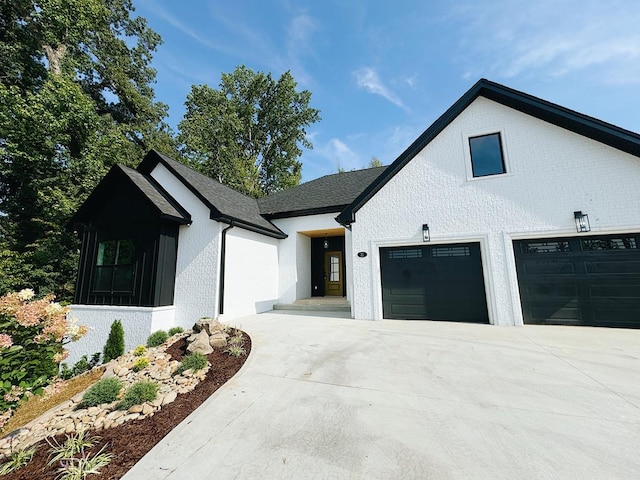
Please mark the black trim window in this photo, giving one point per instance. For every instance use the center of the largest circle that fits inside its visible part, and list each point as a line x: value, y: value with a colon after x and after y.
x: 486, y: 155
x: 114, y: 266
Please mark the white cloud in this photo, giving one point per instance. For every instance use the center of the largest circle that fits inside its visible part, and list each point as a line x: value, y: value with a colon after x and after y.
x: 551, y: 38
x: 340, y: 155
x: 368, y: 79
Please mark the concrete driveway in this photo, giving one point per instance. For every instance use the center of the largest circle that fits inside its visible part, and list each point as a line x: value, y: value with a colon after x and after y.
x: 324, y: 398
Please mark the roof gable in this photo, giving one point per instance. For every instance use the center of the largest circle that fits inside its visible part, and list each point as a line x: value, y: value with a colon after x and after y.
x: 571, y: 120
x: 225, y: 204
x: 120, y: 176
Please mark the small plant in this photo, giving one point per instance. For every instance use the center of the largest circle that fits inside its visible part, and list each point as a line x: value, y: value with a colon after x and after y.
x: 236, y: 350
x: 140, y: 350
x: 72, y: 446
x: 17, y: 460
x: 140, y: 364
x: 103, y: 391
x: 115, y: 342
x: 157, y: 338
x: 81, y: 366
x: 138, y: 393
x: 237, y: 339
x: 174, y: 330
x: 75, y: 463
x: 194, y: 361
x: 79, y: 468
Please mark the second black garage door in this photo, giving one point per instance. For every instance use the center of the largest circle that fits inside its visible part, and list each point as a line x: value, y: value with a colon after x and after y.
x: 587, y: 280
x: 434, y: 282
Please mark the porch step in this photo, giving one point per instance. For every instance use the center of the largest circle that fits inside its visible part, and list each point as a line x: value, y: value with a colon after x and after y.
x: 320, y: 304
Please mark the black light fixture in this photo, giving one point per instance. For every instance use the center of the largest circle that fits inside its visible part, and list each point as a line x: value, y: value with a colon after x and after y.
x: 326, y: 242
x: 582, y: 222
x: 425, y: 233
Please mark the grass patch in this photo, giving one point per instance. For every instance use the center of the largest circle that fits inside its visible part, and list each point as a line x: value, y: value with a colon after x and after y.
x: 37, y: 405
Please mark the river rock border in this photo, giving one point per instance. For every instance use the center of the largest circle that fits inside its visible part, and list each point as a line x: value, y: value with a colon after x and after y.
x: 66, y: 418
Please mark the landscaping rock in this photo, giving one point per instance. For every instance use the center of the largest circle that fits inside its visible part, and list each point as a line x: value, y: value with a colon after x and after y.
x: 207, y: 324
x: 218, y: 340
x: 67, y: 418
x: 201, y: 344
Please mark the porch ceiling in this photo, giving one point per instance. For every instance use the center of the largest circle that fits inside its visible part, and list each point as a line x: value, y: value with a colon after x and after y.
x: 327, y: 232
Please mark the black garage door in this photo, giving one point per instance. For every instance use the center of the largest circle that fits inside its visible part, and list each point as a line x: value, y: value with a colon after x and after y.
x: 587, y: 280
x: 435, y: 282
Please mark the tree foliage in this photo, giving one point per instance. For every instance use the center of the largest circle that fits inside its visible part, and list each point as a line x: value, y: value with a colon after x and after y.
x: 248, y: 133
x: 75, y: 98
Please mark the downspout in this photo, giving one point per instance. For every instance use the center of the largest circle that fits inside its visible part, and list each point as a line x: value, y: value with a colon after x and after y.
x: 223, y: 248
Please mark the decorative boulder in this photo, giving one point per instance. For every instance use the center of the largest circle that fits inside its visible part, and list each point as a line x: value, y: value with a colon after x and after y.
x: 218, y: 340
x: 200, y: 344
x: 207, y: 324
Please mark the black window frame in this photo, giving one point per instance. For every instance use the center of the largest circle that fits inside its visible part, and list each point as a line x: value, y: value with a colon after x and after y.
x: 115, y: 268
x: 503, y: 162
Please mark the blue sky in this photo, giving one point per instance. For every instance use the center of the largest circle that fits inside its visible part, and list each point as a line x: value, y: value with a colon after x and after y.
x: 381, y: 72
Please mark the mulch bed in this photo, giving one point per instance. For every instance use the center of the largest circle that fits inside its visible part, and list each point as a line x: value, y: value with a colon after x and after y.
x: 128, y: 443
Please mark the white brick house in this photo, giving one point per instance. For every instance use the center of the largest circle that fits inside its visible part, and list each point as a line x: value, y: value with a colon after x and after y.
x: 478, y: 220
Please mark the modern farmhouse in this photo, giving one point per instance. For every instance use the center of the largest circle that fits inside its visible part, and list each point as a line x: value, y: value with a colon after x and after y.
x: 507, y: 210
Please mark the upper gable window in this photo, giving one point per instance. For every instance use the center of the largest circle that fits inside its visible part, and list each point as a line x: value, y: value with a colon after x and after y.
x: 487, y: 156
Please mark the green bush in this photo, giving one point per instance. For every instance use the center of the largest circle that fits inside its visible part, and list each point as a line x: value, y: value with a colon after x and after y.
x: 115, y: 342
x: 103, y: 391
x: 194, y: 361
x: 140, y: 364
x: 138, y: 393
x: 140, y: 350
x: 81, y: 366
x: 174, y: 330
x: 157, y: 338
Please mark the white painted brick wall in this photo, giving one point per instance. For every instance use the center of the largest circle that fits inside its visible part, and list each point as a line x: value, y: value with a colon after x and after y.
x: 552, y: 173
x: 137, y: 322
x: 198, y: 255
x: 251, y: 273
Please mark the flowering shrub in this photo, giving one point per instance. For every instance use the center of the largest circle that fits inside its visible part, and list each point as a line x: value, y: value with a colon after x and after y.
x: 31, y: 344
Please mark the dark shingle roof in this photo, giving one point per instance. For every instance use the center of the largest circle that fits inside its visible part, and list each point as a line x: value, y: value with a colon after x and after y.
x: 167, y: 206
x: 225, y: 203
x: 330, y: 193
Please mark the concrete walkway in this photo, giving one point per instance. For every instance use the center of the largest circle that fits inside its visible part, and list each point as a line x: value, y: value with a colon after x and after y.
x: 329, y: 398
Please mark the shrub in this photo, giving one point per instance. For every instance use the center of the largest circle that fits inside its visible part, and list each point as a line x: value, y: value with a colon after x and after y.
x: 140, y: 392
x: 157, y: 338
x: 32, y: 341
x: 140, y: 350
x: 194, y: 361
x: 103, y: 391
x: 81, y: 366
x: 140, y: 364
x: 115, y: 342
x: 174, y: 330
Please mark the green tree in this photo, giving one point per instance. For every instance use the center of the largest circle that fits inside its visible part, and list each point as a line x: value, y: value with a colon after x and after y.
x: 375, y: 162
x: 249, y: 133
x: 115, y: 342
x: 75, y: 98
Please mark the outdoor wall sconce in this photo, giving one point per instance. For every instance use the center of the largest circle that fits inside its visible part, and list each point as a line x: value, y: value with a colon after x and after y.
x: 325, y: 244
x: 582, y: 222
x: 425, y: 233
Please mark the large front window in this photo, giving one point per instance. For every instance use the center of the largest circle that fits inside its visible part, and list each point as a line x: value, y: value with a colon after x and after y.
x: 114, y: 266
